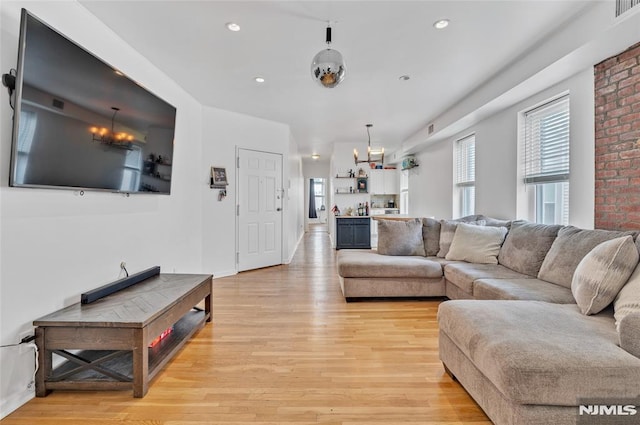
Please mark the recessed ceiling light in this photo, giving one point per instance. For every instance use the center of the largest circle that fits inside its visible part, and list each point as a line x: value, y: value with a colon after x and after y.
x: 232, y: 26
x: 315, y: 156
x: 259, y: 79
x: 441, y: 24
x: 404, y: 77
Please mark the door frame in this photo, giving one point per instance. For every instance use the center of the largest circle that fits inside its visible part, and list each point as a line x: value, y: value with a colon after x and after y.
x: 237, y: 203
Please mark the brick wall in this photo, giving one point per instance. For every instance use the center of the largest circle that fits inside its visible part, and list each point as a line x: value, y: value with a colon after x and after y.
x: 617, y: 144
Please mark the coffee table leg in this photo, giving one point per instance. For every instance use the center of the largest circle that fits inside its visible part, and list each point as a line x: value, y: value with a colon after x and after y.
x: 140, y: 364
x: 45, y: 361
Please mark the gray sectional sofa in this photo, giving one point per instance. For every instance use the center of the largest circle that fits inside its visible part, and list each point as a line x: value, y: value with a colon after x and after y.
x: 522, y: 335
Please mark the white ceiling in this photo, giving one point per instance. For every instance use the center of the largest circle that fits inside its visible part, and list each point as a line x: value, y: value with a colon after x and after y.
x: 380, y: 41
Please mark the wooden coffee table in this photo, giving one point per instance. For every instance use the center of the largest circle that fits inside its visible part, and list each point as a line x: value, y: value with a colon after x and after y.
x: 106, y: 343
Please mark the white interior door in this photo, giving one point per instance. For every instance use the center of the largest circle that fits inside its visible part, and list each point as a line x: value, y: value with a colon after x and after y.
x: 259, y: 209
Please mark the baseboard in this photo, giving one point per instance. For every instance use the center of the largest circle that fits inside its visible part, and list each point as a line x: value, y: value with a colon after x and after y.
x: 290, y: 259
x: 224, y: 273
x: 15, y: 401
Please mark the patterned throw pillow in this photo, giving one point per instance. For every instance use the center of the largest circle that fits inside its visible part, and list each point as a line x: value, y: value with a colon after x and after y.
x: 396, y: 237
x: 431, y: 236
x: 602, y: 273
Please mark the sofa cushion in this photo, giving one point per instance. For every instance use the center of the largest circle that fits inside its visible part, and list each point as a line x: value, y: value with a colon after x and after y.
x: 400, y: 237
x: 476, y: 244
x: 448, y: 230
x: 541, y: 353
x: 521, y: 289
x: 602, y: 273
x: 628, y: 299
x: 368, y: 263
x: 431, y: 236
x: 526, y: 245
x: 463, y: 275
x: 629, y: 333
x: 442, y: 261
x: 571, y: 245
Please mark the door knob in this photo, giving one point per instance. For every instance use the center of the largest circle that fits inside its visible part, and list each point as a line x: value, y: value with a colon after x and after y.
x: 278, y: 209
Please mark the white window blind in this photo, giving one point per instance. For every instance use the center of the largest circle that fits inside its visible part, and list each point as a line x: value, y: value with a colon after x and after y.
x: 466, y: 174
x: 546, y: 142
x: 466, y: 161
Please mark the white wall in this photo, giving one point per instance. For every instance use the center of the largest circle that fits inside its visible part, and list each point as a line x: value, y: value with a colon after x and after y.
x: 497, y: 187
x: 56, y: 244
x: 225, y: 132
x: 431, y: 183
x: 294, y: 196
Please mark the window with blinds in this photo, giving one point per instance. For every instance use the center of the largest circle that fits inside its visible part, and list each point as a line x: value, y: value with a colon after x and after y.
x: 546, y: 159
x: 546, y: 142
x: 466, y: 173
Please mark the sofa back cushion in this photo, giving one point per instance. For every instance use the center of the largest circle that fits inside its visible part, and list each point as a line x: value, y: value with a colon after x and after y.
x: 569, y: 248
x: 494, y: 222
x: 447, y: 230
x: 431, y: 236
x: 526, y: 246
x: 400, y: 237
x: 602, y: 273
x: 476, y: 244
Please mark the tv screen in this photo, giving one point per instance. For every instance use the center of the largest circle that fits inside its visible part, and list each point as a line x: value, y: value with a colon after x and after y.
x: 81, y: 124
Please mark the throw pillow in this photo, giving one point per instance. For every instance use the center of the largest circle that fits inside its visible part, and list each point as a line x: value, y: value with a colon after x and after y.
x: 476, y: 244
x: 628, y: 299
x: 400, y: 237
x: 431, y: 236
x: 526, y: 246
x: 571, y: 245
x: 447, y: 230
x: 602, y: 273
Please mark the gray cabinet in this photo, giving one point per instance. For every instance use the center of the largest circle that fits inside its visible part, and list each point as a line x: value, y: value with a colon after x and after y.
x: 353, y: 232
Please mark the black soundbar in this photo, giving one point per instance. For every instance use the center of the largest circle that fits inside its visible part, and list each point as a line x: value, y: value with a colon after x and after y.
x: 118, y: 285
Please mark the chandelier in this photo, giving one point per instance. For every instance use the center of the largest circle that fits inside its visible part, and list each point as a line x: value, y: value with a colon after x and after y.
x: 328, y: 67
x: 373, y: 156
x: 108, y: 137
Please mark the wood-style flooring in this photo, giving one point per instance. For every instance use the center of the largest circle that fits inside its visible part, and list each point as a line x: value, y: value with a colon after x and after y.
x: 285, y: 348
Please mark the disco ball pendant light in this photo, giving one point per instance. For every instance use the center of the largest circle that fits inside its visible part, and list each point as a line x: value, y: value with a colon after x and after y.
x: 328, y: 67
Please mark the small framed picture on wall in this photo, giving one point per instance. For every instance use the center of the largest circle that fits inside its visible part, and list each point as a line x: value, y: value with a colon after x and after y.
x: 219, y: 177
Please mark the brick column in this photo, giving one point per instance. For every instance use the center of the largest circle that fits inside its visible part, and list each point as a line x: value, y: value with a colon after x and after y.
x: 617, y: 144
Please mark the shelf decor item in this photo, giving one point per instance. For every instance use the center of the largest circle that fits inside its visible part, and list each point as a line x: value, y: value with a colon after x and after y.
x: 362, y: 185
x: 409, y: 163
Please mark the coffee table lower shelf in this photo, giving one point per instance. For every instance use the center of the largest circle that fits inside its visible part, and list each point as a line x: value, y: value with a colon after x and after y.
x: 118, y: 364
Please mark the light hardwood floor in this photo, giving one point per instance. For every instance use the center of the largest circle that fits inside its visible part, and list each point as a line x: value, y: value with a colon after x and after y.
x: 285, y: 348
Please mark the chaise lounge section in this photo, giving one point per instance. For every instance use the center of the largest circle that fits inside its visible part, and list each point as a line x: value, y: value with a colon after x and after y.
x: 552, y: 325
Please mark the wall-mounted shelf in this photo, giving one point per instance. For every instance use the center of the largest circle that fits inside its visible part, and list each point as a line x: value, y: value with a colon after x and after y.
x: 351, y: 193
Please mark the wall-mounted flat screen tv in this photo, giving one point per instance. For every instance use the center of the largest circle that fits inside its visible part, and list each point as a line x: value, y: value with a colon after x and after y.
x: 81, y: 124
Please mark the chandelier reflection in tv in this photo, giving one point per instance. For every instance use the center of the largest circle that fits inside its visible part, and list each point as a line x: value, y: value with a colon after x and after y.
x: 328, y: 67
x: 121, y: 140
